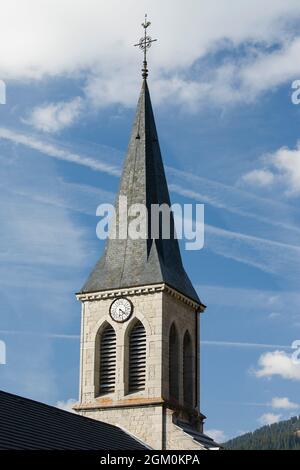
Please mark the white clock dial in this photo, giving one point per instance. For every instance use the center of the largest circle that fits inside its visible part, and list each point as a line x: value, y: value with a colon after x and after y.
x: 121, y: 309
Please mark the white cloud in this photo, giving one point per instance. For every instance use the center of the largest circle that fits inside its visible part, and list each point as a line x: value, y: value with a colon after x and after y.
x: 278, y: 363
x: 240, y: 80
x: 287, y: 163
x: 269, y: 418
x: 259, y: 177
x: 216, y: 434
x: 264, y: 254
x: 53, y: 117
x: 274, y: 315
x: 269, y: 70
x: 283, y: 168
x: 232, y: 198
x: 97, y: 42
x: 66, y: 405
x: 59, y: 153
x: 283, y: 403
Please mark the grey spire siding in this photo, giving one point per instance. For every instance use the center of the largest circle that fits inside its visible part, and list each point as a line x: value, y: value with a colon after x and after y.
x: 128, y: 263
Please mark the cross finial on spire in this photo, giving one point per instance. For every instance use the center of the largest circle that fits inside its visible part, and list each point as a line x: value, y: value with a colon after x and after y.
x: 144, y: 43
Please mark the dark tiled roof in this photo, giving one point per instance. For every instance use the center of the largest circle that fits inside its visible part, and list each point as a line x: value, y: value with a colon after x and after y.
x: 28, y: 424
x: 127, y: 262
x: 203, y: 439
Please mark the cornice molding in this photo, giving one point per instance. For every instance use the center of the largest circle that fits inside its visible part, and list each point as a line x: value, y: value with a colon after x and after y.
x: 140, y: 290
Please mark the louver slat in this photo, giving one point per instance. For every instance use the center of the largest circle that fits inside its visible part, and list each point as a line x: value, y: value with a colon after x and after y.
x: 108, y: 360
x: 137, y: 358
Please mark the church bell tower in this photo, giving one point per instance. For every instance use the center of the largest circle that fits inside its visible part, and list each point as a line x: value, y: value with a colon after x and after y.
x: 140, y: 314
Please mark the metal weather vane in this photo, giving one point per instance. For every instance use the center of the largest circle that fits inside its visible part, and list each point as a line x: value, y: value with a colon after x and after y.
x: 144, y: 44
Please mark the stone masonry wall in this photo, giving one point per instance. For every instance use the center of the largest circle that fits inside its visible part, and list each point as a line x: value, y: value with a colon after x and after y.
x: 176, y: 438
x: 184, y: 318
x: 147, y: 309
x: 139, y: 413
x: 145, y: 423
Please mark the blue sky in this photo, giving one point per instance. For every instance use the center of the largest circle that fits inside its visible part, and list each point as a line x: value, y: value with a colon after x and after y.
x: 220, y: 81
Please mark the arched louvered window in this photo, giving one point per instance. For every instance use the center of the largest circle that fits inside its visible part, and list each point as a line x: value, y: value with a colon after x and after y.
x: 107, y: 360
x: 137, y: 358
x: 174, y: 363
x: 188, y: 370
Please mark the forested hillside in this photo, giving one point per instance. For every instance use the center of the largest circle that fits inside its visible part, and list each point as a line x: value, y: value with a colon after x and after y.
x: 280, y: 436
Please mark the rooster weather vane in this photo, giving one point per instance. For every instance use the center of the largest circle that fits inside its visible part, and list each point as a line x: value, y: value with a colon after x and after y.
x: 144, y: 43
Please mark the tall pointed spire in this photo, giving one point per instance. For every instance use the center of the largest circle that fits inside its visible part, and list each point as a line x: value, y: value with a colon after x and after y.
x: 127, y: 262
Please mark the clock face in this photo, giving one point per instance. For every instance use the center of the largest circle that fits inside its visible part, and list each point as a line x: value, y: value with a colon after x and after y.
x: 121, y: 309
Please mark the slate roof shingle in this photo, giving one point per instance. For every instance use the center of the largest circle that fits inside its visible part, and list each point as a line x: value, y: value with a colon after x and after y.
x: 30, y: 425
